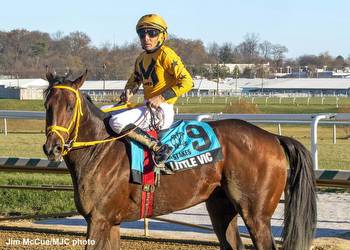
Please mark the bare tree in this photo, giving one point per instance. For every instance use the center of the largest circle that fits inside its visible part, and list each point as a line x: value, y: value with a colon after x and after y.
x: 249, y: 48
x: 214, y: 52
x: 266, y: 48
x: 278, y: 52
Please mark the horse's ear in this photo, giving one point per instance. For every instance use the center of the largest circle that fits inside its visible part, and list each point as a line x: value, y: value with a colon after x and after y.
x: 77, y: 83
x: 49, y: 76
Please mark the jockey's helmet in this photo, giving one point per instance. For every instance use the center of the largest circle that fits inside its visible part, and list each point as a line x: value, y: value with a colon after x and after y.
x: 154, y: 21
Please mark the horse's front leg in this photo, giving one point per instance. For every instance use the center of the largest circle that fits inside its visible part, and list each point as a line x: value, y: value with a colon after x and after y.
x: 102, y: 235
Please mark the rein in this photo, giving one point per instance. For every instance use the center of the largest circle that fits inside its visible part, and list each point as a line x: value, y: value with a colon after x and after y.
x: 78, y: 113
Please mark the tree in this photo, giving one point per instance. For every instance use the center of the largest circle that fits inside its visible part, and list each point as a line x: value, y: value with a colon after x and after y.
x: 236, y: 72
x: 78, y: 41
x: 220, y: 71
x: 339, y: 62
x: 324, y: 60
x: 249, y: 48
x: 248, y: 72
x: 266, y: 48
x: 307, y: 60
x: 278, y: 54
x: 192, y: 52
x: 226, y: 53
x: 213, y: 53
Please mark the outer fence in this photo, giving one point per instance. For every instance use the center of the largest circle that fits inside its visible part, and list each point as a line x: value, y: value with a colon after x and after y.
x: 312, y: 119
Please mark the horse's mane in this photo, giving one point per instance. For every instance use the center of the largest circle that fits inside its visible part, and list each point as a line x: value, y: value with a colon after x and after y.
x: 99, y: 114
x: 95, y: 110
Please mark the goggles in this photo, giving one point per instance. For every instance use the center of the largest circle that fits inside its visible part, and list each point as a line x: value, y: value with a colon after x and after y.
x: 150, y: 32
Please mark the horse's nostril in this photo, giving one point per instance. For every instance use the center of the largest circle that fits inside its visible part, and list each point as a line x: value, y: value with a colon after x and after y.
x: 57, y: 149
x: 45, y: 149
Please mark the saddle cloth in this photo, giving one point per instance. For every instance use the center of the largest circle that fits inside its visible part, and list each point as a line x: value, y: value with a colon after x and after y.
x: 194, y: 143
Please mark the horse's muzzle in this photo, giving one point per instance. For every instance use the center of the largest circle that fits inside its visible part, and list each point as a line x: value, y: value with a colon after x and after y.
x: 54, y: 152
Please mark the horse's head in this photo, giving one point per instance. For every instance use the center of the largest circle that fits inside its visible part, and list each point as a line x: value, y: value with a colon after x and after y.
x: 63, y: 112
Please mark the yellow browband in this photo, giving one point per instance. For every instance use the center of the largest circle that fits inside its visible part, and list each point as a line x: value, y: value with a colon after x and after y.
x: 78, y: 113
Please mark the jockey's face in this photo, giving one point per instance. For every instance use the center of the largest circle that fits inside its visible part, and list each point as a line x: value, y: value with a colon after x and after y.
x: 149, y: 39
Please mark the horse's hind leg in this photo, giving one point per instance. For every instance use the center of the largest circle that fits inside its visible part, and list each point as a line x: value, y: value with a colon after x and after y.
x: 102, y: 235
x: 259, y: 228
x: 224, y: 219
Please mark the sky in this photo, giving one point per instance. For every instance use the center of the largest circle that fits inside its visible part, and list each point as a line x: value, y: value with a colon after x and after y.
x: 303, y: 26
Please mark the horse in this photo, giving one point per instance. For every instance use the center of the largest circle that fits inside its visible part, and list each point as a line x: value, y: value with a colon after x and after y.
x: 248, y: 182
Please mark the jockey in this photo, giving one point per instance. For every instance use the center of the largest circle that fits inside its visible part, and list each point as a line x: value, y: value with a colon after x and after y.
x: 164, y: 78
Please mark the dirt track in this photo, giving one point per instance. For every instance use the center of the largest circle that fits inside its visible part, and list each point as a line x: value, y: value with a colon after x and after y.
x: 333, y: 230
x: 41, y: 241
x: 127, y: 244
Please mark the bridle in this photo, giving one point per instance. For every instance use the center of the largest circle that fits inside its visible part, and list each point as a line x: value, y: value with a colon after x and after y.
x: 74, y: 127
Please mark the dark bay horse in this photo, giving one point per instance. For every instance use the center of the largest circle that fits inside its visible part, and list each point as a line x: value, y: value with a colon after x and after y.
x: 249, y: 181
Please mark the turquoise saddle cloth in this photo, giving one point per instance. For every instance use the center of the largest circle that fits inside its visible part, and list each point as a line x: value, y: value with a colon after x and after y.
x: 194, y: 144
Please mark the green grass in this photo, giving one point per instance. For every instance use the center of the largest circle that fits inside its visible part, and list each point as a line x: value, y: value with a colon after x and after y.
x: 22, y: 202
x: 330, y: 156
x: 263, y: 109
x: 16, y: 201
x: 28, y: 105
x: 28, y: 201
x: 22, y: 145
x: 263, y: 105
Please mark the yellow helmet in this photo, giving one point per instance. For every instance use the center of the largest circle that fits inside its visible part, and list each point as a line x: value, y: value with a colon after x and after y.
x: 153, y: 21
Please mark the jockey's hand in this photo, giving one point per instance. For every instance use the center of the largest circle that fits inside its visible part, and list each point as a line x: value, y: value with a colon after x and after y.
x: 155, y: 101
x: 125, y: 96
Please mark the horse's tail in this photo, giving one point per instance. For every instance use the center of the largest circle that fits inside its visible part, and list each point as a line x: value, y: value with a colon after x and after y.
x: 301, y: 212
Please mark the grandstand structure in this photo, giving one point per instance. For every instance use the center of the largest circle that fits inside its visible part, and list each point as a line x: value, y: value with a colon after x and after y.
x: 106, y: 90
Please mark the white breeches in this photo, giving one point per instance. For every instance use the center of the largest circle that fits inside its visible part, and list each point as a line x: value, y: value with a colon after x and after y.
x: 141, y: 117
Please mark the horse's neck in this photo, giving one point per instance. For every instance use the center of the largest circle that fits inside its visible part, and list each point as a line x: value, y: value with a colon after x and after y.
x: 91, y: 128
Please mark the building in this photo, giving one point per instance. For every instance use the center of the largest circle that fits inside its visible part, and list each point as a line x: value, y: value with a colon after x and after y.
x: 298, y: 87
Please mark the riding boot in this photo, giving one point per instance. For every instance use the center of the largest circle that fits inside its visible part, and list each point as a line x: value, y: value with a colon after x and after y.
x: 161, y: 151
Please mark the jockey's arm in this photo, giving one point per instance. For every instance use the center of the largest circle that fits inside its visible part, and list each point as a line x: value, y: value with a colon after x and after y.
x: 184, y: 83
x: 131, y: 87
x: 126, y: 95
